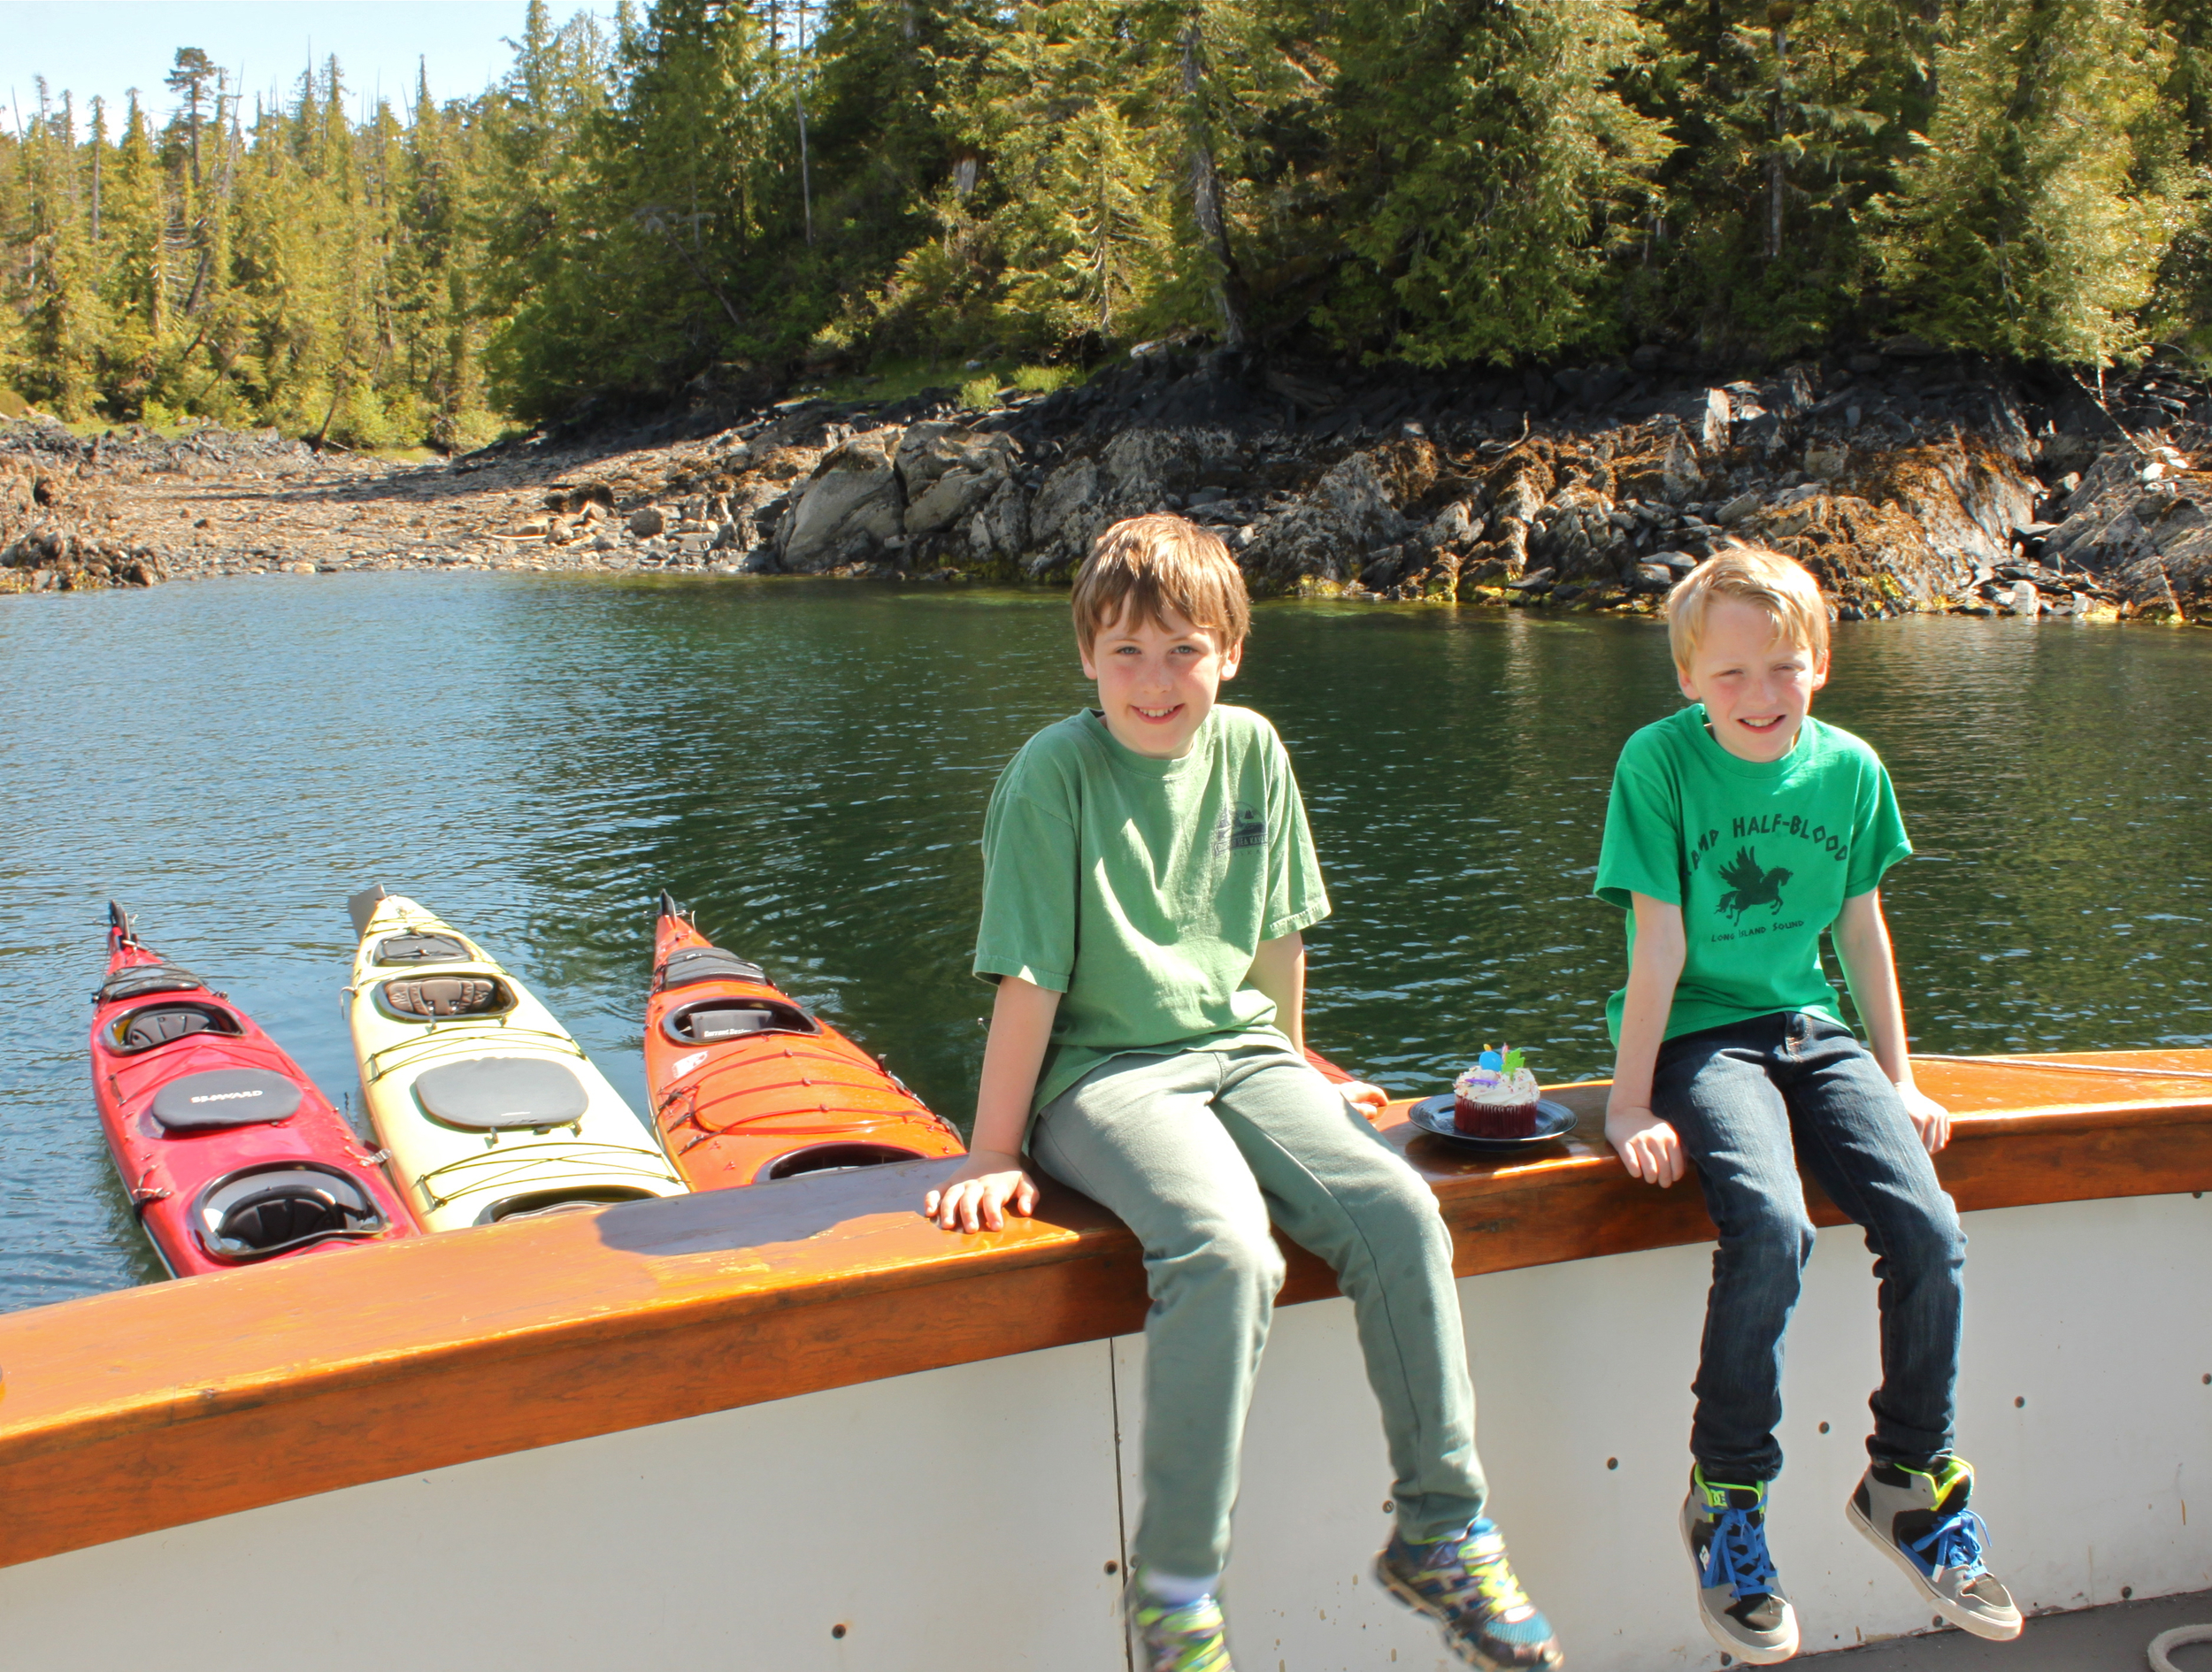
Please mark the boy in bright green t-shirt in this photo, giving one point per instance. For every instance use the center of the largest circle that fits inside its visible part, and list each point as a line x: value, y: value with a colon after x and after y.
x: 1146, y: 875
x: 1739, y: 830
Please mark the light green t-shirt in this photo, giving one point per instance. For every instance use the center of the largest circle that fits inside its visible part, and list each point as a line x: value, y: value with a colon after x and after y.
x: 1760, y: 856
x: 1139, y: 889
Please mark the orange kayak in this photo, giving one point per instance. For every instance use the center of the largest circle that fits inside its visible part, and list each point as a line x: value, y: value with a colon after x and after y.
x: 747, y: 1088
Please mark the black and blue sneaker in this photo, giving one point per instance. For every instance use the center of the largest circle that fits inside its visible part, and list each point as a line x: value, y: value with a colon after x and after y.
x: 1739, y: 1592
x: 1918, y: 1518
x: 1466, y: 1585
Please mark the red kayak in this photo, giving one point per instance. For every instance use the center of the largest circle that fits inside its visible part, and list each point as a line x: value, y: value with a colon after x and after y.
x: 230, y: 1155
x: 747, y: 1088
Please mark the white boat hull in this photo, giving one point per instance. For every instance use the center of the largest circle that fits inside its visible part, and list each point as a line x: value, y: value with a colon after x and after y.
x: 966, y: 1518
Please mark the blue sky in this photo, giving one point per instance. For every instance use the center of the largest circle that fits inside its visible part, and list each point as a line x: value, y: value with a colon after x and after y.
x: 109, y: 46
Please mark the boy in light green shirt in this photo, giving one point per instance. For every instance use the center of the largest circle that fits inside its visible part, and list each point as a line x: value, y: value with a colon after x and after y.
x: 1146, y: 874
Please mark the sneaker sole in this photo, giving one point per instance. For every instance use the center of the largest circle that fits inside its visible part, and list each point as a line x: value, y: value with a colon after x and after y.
x: 1753, y: 1653
x: 1466, y: 1652
x: 1964, y: 1619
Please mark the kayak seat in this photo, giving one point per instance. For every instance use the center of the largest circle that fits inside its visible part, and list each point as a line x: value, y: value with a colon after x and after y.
x: 833, y: 1158
x: 137, y: 1031
x: 707, y: 1021
x: 221, y: 1098
x: 448, y: 995
x: 502, y: 1093
x: 140, y: 979
x: 422, y: 950
x: 708, y: 964
x: 265, y: 1210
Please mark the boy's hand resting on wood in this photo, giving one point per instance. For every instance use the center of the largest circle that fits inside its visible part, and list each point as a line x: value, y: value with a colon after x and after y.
x: 1930, y: 1119
x: 1368, y: 1099
x: 1648, y: 1147
x: 981, y: 1191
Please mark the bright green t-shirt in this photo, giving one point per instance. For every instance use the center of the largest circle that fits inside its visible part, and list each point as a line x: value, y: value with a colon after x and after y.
x: 1760, y: 856
x: 1139, y: 889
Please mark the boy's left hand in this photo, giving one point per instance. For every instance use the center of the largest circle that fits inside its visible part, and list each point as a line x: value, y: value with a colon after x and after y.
x: 1930, y: 1118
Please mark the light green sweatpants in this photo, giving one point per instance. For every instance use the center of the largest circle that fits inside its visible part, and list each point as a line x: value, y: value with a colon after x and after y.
x: 1196, y: 1153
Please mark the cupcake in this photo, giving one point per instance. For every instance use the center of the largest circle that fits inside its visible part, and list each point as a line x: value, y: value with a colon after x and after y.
x: 1496, y: 1098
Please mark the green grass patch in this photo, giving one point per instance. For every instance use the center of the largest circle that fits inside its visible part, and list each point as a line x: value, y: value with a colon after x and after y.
x: 1043, y: 380
x: 890, y: 380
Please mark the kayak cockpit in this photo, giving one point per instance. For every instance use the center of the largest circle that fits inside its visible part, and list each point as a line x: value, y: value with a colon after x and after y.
x: 158, y: 1024
x: 833, y: 1158
x: 436, y: 998
x: 260, y: 1211
x: 708, y: 1021
x: 543, y: 1204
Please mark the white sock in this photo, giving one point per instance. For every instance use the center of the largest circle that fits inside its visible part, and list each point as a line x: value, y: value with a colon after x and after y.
x: 1172, y: 1589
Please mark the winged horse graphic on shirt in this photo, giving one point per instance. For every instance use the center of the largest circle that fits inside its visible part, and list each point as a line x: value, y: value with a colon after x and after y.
x: 1749, y: 885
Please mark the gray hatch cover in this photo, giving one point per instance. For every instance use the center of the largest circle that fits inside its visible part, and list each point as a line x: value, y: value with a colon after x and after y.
x: 225, y: 1097
x: 708, y: 964
x: 491, y: 1093
x: 422, y: 950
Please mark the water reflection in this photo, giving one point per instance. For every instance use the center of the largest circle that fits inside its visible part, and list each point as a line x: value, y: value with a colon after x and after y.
x: 807, y: 763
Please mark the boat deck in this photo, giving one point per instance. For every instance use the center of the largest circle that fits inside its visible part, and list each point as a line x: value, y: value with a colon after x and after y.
x: 2111, y: 1639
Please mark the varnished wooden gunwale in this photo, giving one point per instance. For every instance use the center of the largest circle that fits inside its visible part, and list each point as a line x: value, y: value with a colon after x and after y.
x: 126, y: 1413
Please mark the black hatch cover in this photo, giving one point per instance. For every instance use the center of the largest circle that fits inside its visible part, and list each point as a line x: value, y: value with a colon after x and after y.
x: 490, y: 1093
x: 225, y: 1097
x: 708, y: 964
x: 142, y: 978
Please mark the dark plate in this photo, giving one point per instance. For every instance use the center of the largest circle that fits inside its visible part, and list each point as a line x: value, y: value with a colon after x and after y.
x: 1553, y: 1122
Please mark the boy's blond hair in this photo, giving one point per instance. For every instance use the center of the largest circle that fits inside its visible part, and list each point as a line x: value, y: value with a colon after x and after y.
x: 1144, y: 566
x: 1754, y: 575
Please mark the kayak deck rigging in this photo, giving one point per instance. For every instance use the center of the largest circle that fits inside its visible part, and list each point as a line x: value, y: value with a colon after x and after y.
x: 748, y: 1088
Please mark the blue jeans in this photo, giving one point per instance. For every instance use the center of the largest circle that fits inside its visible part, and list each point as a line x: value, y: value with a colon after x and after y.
x: 1752, y: 1102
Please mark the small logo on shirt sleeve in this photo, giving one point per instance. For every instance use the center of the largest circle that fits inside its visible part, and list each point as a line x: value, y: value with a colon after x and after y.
x: 1241, y: 826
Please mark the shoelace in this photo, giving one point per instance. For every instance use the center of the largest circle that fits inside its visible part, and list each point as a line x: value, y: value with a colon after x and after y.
x: 1954, y: 1543
x: 1738, y: 1556
x: 1478, y: 1571
x: 1183, y: 1637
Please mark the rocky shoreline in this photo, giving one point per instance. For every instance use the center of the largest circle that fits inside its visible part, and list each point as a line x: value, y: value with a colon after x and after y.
x: 1911, y: 482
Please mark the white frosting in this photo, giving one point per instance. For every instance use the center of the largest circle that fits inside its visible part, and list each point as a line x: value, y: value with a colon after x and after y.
x: 1497, y: 1087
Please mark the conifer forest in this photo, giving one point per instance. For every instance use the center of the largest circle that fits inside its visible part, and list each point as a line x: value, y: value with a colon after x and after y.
x: 710, y: 195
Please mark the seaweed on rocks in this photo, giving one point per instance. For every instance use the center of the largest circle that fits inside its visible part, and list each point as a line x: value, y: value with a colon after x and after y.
x: 1907, y: 480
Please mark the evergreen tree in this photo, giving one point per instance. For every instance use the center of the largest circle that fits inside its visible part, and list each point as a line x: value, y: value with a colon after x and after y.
x: 191, y: 79
x: 62, y: 317
x: 2025, y: 227
x: 1488, y: 174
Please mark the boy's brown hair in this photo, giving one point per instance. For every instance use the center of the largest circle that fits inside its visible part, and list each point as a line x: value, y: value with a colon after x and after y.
x: 1754, y: 575
x: 1144, y: 566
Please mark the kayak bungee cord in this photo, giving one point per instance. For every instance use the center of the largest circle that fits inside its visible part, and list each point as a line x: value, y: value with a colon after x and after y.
x: 516, y: 1161
x: 472, y: 1033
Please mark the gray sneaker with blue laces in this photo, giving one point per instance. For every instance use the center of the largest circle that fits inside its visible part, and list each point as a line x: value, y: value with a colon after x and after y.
x: 1918, y: 1519
x: 1739, y: 1592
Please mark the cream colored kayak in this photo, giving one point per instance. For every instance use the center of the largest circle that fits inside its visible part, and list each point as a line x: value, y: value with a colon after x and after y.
x: 489, y: 1108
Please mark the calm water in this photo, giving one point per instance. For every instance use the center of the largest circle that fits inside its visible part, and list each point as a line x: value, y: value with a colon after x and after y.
x: 807, y: 763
